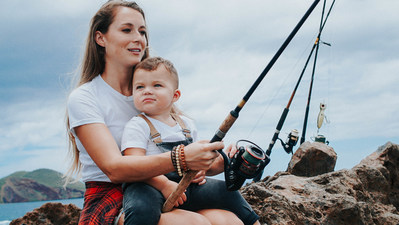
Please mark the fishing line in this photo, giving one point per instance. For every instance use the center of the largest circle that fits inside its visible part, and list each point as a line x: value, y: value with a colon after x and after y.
x: 305, y: 122
x: 255, y: 159
x: 294, y: 135
x: 276, y: 93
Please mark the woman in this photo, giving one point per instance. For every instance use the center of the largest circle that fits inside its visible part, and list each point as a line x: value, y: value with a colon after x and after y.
x: 98, y: 110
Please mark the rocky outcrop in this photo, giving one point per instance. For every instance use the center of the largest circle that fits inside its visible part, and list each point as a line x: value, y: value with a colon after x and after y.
x: 365, y: 194
x: 51, y: 213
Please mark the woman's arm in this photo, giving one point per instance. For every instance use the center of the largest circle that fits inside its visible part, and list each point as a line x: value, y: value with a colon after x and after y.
x: 161, y: 182
x: 102, y: 148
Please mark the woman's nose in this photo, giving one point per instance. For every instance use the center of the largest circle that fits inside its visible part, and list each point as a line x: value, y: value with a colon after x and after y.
x: 137, y: 37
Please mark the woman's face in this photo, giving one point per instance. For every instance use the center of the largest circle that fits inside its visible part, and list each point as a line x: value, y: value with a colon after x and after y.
x: 125, y: 40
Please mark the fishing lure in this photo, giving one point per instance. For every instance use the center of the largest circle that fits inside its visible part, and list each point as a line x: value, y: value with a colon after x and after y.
x: 321, y: 116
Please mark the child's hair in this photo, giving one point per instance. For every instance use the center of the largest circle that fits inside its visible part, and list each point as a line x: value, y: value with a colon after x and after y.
x: 152, y: 63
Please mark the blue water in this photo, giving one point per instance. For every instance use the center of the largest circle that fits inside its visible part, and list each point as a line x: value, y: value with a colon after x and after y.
x: 11, y: 211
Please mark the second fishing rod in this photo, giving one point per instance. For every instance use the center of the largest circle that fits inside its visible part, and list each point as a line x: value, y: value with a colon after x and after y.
x: 254, y: 157
x: 293, y: 136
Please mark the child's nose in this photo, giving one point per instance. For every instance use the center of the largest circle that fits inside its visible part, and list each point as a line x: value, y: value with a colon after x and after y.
x: 147, y: 90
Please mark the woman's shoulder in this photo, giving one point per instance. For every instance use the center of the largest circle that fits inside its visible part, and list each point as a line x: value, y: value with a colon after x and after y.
x: 84, y: 91
x: 82, y: 97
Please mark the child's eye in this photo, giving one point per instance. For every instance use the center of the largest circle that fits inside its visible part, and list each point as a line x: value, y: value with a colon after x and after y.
x: 157, y: 85
x: 139, y: 87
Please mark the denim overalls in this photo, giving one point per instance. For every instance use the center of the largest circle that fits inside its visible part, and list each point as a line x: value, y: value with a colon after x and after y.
x: 142, y: 203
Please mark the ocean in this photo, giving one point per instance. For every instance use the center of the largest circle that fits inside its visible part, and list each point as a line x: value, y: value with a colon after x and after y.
x: 11, y: 211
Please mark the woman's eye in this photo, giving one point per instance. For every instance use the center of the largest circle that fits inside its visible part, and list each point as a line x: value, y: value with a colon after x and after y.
x: 127, y: 30
x: 143, y: 32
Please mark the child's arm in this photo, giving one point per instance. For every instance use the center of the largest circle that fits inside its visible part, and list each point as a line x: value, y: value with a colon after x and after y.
x: 161, y: 182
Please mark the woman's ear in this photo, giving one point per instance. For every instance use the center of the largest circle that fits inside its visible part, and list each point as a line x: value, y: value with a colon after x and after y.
x: 100, y: 39
x: 176, y: 95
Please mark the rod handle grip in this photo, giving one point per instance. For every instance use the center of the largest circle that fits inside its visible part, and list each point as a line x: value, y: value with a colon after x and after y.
x: 183, y: 184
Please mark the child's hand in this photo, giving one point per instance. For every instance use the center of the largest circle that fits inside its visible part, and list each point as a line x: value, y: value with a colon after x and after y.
x: 168, y: 189
x: 199, y: 178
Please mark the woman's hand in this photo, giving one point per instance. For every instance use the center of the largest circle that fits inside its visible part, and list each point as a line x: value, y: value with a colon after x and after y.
x: 199, y: 178
x: 201, y: 154
x: 218, y: 165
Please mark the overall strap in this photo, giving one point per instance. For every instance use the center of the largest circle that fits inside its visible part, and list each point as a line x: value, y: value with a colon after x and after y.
x: 186, y: 131
x: 154, y: 134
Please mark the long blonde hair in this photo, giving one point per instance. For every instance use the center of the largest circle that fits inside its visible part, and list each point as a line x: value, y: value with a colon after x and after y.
x: 93, y: 64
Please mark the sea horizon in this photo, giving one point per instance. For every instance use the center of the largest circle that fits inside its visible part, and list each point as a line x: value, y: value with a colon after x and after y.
x: 11, y: 211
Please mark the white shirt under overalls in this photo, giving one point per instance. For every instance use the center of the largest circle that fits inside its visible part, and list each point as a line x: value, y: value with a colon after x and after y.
x: 137, y: 134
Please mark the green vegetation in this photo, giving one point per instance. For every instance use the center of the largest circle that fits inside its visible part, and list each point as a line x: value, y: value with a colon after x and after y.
x: 40, y: 184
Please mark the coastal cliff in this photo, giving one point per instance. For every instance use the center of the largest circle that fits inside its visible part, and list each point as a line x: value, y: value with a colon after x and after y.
x: 38, y: 185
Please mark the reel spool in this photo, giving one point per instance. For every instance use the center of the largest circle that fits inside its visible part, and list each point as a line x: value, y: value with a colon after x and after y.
x: 246, y: 163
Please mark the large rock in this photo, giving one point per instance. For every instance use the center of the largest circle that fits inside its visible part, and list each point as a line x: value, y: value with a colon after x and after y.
x: 365, y: 194
x: 51, y: 213
x: 312, y: 159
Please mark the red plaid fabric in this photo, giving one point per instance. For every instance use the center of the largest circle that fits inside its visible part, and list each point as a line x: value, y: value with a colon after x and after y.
x: 102, y: 203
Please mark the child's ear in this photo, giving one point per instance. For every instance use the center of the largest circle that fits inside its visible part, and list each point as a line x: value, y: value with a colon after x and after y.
x: 176, y: 95
x: 99, y: 37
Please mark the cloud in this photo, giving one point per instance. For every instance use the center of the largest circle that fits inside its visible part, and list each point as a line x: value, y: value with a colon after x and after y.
x: 32, y: 135
x: 219, y: 49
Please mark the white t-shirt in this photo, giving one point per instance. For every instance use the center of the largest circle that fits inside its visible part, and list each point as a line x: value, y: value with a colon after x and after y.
x: 137, y: 134
x: 97, y: 102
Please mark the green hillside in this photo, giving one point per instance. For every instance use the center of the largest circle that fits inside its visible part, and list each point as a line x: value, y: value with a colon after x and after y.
x: 40, y: 184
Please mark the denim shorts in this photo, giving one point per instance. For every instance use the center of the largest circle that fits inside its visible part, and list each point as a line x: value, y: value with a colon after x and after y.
x: 142, y: 203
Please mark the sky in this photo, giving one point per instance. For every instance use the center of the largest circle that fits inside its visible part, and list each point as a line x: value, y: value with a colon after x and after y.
x: 219, y: 49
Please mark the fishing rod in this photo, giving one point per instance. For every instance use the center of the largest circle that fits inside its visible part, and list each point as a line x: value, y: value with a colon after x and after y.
x: 293, y: 136
x: 253, y: 153
x: 305, y: 121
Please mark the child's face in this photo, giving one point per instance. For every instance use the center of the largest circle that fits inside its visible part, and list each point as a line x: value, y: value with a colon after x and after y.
x: 154, y: 92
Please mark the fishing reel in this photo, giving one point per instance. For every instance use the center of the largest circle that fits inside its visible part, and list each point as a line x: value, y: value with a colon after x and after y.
x: 246, y: 163
x: 291, y: 141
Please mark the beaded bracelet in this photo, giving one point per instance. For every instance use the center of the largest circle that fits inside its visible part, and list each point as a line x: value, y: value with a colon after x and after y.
x: 177, y: 154
x: 183, y: 158
x: 179, y: 159
x: 173, y: 157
